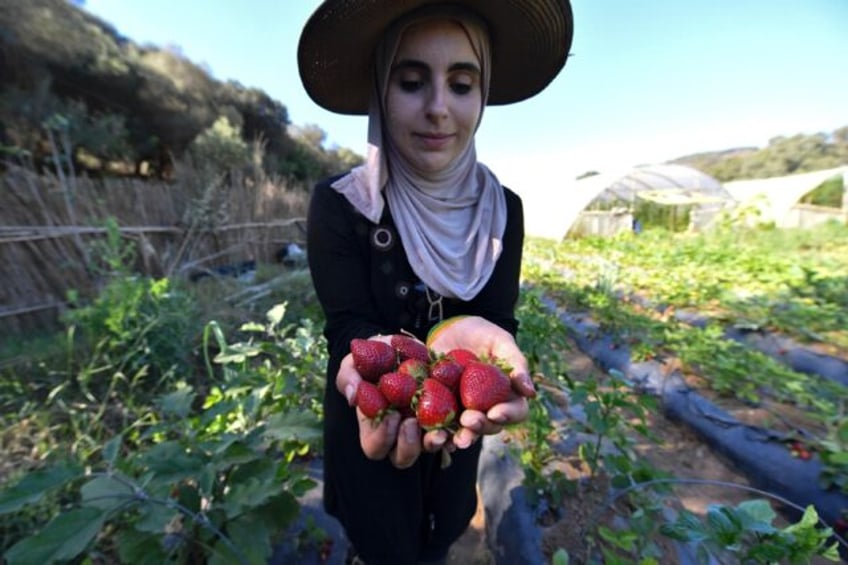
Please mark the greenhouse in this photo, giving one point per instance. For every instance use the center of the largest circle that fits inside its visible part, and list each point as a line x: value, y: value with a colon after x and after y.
x: 676, y: 197
x: 801, y: 200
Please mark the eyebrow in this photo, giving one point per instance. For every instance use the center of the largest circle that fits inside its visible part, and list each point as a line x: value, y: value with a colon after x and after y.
x: 422, y: 66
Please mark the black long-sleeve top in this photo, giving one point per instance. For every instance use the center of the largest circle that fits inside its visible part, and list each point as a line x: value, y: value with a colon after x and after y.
x: 366, y: 286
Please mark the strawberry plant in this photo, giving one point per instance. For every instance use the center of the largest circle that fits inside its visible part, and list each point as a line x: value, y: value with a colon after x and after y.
x: 746, y: 534
x: 200, y: 477
x: 616, y: 282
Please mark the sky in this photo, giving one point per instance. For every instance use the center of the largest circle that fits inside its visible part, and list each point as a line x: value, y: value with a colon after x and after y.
x: 647, y: 81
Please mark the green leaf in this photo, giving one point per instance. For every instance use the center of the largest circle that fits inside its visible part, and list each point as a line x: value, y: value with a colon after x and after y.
x: 560, y: 557
x: 140, y: 548
x: 171, y: 462
x: 237, y: 353
x: 686, y: 528
x: 106, y: 493
x: 154, y: 518
x: 276, y: 314
x: 62, y: 539
x: 808, y: 521
x: 285, y: 426
x: 625, y: 540
x: 757, y: 516
x: 842, y: 431
x: 251, y: 536
x: 33, y: 486
x: 302, y: 485
x: 249, y: 494
x: 280, y: 512
x: 178, y: 403
x: 727, y: 532
x: 112, y: 449
x: 838, y: 458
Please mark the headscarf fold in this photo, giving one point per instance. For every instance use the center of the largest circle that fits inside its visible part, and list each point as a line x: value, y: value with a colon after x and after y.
x: 451, y: 223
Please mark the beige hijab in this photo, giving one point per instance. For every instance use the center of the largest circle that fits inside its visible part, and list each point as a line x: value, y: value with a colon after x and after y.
x: 452, y: 223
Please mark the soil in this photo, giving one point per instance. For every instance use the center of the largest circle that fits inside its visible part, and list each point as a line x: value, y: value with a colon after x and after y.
x: 676, y: 450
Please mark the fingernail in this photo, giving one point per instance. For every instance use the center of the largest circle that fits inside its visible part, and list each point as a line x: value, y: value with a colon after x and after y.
x: 410, y: 431
x: 350, y: 391
x: 499, y: 419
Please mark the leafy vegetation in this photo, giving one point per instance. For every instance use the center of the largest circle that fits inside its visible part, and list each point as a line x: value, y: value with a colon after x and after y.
x: 634, y: 286
x: 155, y: 436
x: 618, y: 482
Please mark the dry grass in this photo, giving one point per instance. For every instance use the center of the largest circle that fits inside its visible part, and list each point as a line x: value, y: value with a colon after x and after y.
x: 53, y: 229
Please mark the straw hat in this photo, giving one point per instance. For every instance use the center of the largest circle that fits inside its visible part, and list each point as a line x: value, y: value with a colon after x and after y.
x: 530, y: 43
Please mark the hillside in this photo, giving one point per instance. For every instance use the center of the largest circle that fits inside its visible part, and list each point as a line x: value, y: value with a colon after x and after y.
x: 115, y: 101
x: 783, y: 155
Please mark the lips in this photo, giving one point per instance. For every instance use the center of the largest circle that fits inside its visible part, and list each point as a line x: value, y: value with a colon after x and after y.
x: 435, y: 140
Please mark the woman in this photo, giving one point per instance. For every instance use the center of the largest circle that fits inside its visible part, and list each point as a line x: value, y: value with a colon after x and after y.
x: 422, y: 234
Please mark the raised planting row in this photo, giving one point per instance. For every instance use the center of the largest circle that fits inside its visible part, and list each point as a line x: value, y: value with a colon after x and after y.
x: 570, y: 478
x: 644, y: 294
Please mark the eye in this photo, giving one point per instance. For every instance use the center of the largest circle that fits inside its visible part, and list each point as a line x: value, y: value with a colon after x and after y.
x: 461, y: 88
x: 410, y: 85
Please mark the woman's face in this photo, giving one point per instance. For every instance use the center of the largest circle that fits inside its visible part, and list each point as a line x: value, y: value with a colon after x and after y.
x: 433, y: 99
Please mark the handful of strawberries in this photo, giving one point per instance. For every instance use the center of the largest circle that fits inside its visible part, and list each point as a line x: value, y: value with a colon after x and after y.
x: 404, y: 375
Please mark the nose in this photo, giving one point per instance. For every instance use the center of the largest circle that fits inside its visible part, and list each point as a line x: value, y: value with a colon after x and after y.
x: 437, y: 104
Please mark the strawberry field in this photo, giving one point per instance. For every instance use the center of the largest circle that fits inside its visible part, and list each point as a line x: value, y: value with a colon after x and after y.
x: 739, y: 336
x: 691, y: 407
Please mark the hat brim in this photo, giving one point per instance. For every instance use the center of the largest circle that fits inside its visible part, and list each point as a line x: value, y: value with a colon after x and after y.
x: 530, y: 45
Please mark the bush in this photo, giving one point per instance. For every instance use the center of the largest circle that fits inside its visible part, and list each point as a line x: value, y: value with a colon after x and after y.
x: 220, y: 147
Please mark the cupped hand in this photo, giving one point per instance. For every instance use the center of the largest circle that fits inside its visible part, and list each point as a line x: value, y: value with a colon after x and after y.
x: 475, y: 424
x: 390, y: 437
x: 487, y: 340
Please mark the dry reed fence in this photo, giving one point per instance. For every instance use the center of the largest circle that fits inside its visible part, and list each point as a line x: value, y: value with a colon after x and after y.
x: 52, y: 229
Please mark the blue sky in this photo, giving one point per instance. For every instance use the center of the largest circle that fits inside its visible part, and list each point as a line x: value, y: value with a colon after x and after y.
x: 649, y: 80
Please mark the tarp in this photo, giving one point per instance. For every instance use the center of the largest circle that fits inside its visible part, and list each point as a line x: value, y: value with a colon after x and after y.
x: 774, y: 197
x: 553, y: 220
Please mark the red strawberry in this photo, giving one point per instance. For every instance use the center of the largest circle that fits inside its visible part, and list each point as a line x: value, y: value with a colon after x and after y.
x: 370, y: 400
x: 372, y: 358
x: 462, y: 356
x: 446, y: 371
x: 436, y: 406
x: 416, y: 368
x: 398, y: 388
x: 482, y: 385
x: 408, y: 347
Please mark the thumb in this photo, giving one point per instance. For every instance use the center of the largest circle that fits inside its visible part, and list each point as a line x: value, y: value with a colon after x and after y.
x: 519, y: 375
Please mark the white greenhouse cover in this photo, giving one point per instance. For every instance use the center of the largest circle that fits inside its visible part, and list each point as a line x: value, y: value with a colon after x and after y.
x: 554, y: 219
x: 775, y: 196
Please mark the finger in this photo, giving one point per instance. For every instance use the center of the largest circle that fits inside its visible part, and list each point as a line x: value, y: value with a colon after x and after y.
x: 434, y: 440
x: 523, y: 385
x: 377, y: 438
x: 408, y: 446
x: 348, y: 379
x: 510, y: 412
x: 464, y: 438
x: 519, y: 375
x: 476, y: 422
